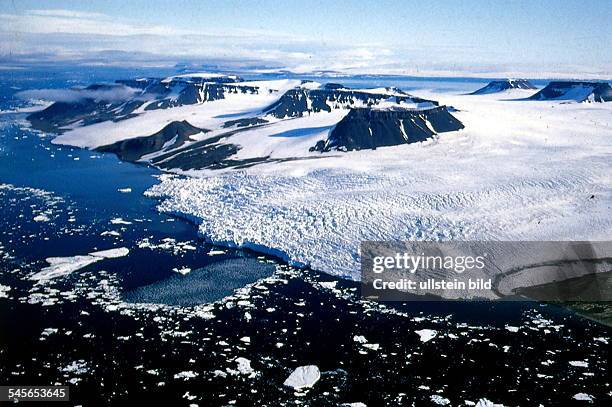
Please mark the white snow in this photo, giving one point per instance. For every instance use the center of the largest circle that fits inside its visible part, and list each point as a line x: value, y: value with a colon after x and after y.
x: 579, y: 363
x: 303, y: 377
x: 62, y: 266
x: 286, y: 138
x: 520, y: 170
x: 426, y: 334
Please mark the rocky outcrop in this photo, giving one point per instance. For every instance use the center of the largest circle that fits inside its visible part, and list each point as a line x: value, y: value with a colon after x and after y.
x: 578, y: 91
x: 503, y: 85
x: 366, y: 128
x: 172, y: 136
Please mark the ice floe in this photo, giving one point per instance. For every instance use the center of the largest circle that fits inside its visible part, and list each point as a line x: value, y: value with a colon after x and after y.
x: 583, y: 397
x: 4, y: 289
x: 62, y: 266
x: 41, y: 218
x: 426, y: 335
x: 303, y: 377
x: 439, y: 400
x: 120, y: 221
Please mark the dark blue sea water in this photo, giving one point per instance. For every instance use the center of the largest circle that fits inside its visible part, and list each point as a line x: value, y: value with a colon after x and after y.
x: 88, y: 185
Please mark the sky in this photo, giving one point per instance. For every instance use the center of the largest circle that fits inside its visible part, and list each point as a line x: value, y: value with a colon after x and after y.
x: 536, y: 39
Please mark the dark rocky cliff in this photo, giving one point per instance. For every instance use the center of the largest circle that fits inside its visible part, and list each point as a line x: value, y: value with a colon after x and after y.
x: 365, y: 128
x: 135, y: 148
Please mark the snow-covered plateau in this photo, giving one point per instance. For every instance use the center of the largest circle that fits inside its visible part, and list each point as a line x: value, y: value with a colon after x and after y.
x: 298, y: 169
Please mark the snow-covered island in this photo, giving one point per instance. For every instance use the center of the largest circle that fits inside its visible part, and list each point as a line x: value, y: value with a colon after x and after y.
x: 306, y: 170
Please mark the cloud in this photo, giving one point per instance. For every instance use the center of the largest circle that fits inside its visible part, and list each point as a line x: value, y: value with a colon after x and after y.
x: 58, y: 36
x: 66, y: 13
x: 110, y: 94
x: 57, y: 21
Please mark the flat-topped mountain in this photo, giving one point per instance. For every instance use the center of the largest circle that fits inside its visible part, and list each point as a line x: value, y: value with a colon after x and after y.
x: 503, y: 85
x: 578, y: 91
x: 365, y: 128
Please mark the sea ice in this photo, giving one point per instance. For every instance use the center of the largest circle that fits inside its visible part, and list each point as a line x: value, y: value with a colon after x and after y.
x: 439, y: 400
x: 182, y: 270
x: 303, y: 377
x: 185, y: 375
x: 120, y: 221
x: 4, y: 289
x: 583, y: 397
x: 62, y: 266
x: 41, y: 218
x: 426, y: 334
x: 244, y: 366
x: 512, y: 328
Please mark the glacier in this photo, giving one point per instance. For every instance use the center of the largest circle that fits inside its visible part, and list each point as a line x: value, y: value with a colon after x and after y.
x: 520, y: 170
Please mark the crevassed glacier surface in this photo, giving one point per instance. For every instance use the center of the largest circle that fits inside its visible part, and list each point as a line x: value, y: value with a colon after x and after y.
x: 519, y: 171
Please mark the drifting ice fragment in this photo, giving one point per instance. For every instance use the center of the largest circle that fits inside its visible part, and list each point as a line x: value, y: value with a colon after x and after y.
x: 303, y: 376
x: 426, y: 334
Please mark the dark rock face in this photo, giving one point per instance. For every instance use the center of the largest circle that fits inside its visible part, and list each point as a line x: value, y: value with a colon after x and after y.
x: 191, y: 94
x: 135, y: 148
x: 366, y: 128
x: 500, y: 86
x: 577, y: 91
x: 332, y: 86
x: 297, y: 102
x: 249, y: 121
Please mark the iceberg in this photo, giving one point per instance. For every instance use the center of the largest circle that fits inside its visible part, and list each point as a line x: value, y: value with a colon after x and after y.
x: 303, y: 377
